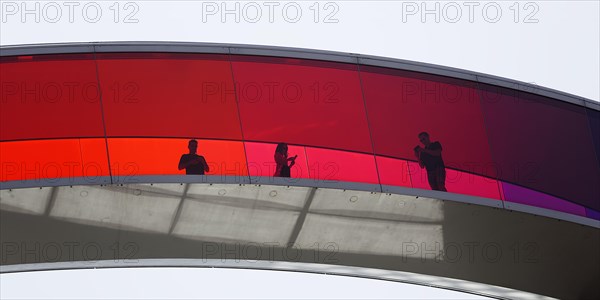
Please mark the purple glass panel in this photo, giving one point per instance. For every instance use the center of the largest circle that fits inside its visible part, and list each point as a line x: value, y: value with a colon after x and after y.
x: 592, y: 214
x: 517, y: 194
x: 542, y: 144
x: 594, y: 118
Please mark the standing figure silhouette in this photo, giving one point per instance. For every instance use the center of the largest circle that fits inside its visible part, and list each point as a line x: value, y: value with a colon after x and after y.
x: 281, y: 159
x: 193, y: 163
x: 430, y: 158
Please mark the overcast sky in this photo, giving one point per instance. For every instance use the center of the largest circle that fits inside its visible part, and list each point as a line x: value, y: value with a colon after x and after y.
x: 171, y: 283
x: 550, y: 43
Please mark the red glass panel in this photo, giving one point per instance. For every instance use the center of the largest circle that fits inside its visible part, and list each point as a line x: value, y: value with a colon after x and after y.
x: 49, y: 159
x: 334, y: 165
x: 402, y: 104
x: 168, y: 95
x: 301, y: 102
x: 49, y: 99
x: 393, y: 171
x: 261, y: 161
x: 153, y: 156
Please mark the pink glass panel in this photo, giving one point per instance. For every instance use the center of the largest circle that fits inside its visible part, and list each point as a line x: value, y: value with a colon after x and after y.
x: 393, y: 171
x: 334, y: 165
x: 458, y: 182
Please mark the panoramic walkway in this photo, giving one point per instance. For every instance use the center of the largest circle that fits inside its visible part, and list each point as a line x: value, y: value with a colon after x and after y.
x: 211, y: 155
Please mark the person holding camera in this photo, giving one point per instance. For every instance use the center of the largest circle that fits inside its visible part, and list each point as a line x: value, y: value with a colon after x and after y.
x: 281, y: 159
x: 430, y: 158
x: 193, y: 163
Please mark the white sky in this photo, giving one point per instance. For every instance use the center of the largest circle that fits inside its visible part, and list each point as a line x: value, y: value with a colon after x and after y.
x: 178, y: 283
x: 549, y: 43
x: 554, y: 44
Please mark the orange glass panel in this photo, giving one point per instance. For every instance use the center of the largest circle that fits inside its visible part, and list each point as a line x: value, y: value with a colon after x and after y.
x: 224, y: 157
x: 50, y: 159
x: 154, y: 156
x: 261, y: 161
x: 393, y: 171
x: 457, y: 182
x: 334, y: 165
x: 93, y: 154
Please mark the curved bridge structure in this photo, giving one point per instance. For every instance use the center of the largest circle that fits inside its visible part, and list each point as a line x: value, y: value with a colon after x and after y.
x: 91, y: 136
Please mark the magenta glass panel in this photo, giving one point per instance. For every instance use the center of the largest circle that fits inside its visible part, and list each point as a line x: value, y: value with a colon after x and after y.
x: 168, y: 95
x: 334, y: 165
x: 261, y: 161
x: 301, y: 102
x: 393, y: 171
x: 472, y: 184
x: 517, y: 194
x: 542, y: 144
x: 401, y: 104
x: 458, y: 182
x: 49, y: 97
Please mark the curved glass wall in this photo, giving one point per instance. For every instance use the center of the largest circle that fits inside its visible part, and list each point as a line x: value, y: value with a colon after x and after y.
x: 116, y: 115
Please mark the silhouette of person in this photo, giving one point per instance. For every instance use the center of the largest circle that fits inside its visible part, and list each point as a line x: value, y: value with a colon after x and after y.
x: 281, y: 159
x: 430, y: 158
x: 193, y: 163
